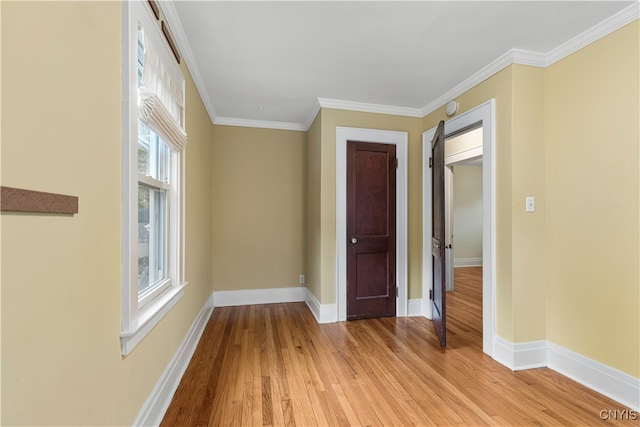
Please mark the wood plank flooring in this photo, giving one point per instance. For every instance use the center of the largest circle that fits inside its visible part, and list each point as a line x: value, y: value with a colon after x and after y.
x: 274, y: 365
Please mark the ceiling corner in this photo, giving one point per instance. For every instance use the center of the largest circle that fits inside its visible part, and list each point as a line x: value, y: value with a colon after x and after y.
x: 313, y: 114
x: 171, y: 15
x: 598, y: 31
x: 369, y: 108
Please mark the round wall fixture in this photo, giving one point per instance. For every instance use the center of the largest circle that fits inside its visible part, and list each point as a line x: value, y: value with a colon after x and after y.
x: 452, y: 108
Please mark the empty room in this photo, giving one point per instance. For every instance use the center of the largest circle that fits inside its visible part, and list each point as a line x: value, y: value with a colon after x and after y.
x: 319, y: 213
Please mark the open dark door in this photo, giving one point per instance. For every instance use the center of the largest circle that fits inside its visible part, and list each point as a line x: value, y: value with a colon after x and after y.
x: 438, y: 232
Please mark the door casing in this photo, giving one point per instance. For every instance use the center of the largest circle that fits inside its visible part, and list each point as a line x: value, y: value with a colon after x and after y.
x: 400, y: 140
x: 448, y: 224
x: 485, y: 114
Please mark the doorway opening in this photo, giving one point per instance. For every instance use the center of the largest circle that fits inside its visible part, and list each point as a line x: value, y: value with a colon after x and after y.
x: 463, y: 201
x: 481, y: 117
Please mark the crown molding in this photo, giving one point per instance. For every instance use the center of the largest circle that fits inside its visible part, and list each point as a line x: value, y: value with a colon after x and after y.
x: 513, y: 56
x: 598, y: 31
x: 494, y: 67
x: 312, y: 115
x: 524, y: 57
x: 171, y: 15
x: 369, y: 108
x: 231, y: 121
x: 527, y: 57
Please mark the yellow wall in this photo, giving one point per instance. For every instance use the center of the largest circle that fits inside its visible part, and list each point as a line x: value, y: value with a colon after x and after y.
x: 592, y: 182
x: 528, y: 268
x: 61, y: 285
x: 569, y: 136
x: 256, y: 218
x: 258, y: 193
x: 499, y: 87
x: 330, y: 119
x: 467, y: 212
x: 313, y: 209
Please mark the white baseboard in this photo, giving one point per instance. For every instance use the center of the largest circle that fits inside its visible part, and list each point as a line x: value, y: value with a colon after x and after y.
x: 154, y: 408
x: 529, y: 355
x: 415, y: 307
x: 328, y: 313
x: 604, y: 379
x: 259, y: 296
x: 467, y: 262
x: 503, y: 352
x: 520, y: 356
x: 608, y: 381
x: 324, y: 313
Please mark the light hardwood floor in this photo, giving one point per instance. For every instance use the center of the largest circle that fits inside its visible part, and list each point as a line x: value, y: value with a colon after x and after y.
x: 274, y: 365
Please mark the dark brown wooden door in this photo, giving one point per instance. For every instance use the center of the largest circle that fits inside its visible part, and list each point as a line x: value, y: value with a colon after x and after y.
x: 439, y: 307
x: 371, y: 230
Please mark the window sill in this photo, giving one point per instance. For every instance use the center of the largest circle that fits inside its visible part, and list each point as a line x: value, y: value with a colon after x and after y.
x: 149, y: 316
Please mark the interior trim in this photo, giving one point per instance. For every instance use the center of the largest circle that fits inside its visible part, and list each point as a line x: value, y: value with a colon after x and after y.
x: 264, y: 124
x: 400, y: 139
x: 513, y: 56
x: 604, y: 379
x: 485, y: 114
x: 157, y: 403
x: 259, y: 296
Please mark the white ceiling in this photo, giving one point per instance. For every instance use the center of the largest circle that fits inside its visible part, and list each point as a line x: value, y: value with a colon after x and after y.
x: 269, y: 62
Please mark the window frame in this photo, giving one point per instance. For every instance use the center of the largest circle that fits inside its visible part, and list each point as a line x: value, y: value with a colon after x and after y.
x: 163, y: 185
x: 141, y: 312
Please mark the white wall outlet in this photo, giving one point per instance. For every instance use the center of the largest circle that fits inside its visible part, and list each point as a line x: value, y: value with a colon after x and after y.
x: 530, y: 204
x: 302, y: 279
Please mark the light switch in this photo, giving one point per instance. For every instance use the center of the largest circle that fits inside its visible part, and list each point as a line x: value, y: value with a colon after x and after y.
x: 530, y: 204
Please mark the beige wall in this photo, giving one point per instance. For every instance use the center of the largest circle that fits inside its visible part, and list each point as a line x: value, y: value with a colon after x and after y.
x: 313, y: 209
x: 592, y: 182
x: 568, y: 135
x: 256, y: 218
x: 528, y: 231
x: 520, y: 266
x: 467, y: 212
x: 330, y: 119
x: 258, y: 192
x: 61, y: 285
x: 499, y: 87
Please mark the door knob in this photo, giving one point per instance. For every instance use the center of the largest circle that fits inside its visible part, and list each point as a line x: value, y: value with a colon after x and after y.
x: 354, y: 240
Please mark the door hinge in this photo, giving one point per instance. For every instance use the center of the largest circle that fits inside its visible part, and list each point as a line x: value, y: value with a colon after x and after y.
x: 430, y: 162
x: 396, y: 292
x: 431, y: 294
x: 395, y: 163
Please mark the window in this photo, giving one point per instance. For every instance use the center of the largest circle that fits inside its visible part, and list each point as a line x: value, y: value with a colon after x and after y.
x: 154, y: 141
x: 153, y: 215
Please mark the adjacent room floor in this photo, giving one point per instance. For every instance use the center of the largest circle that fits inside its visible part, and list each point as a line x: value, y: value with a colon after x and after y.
x: 274, y: 365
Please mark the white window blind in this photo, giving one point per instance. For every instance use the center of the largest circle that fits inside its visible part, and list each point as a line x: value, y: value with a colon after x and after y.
x: 161, y: 99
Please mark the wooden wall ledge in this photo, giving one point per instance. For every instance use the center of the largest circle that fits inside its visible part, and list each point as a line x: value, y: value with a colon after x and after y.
x: 18, y: 200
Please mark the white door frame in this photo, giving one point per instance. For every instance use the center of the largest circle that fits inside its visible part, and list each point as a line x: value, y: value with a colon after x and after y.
x: 448, y: 223
x: 400, y: 140
x: 484, y: 113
